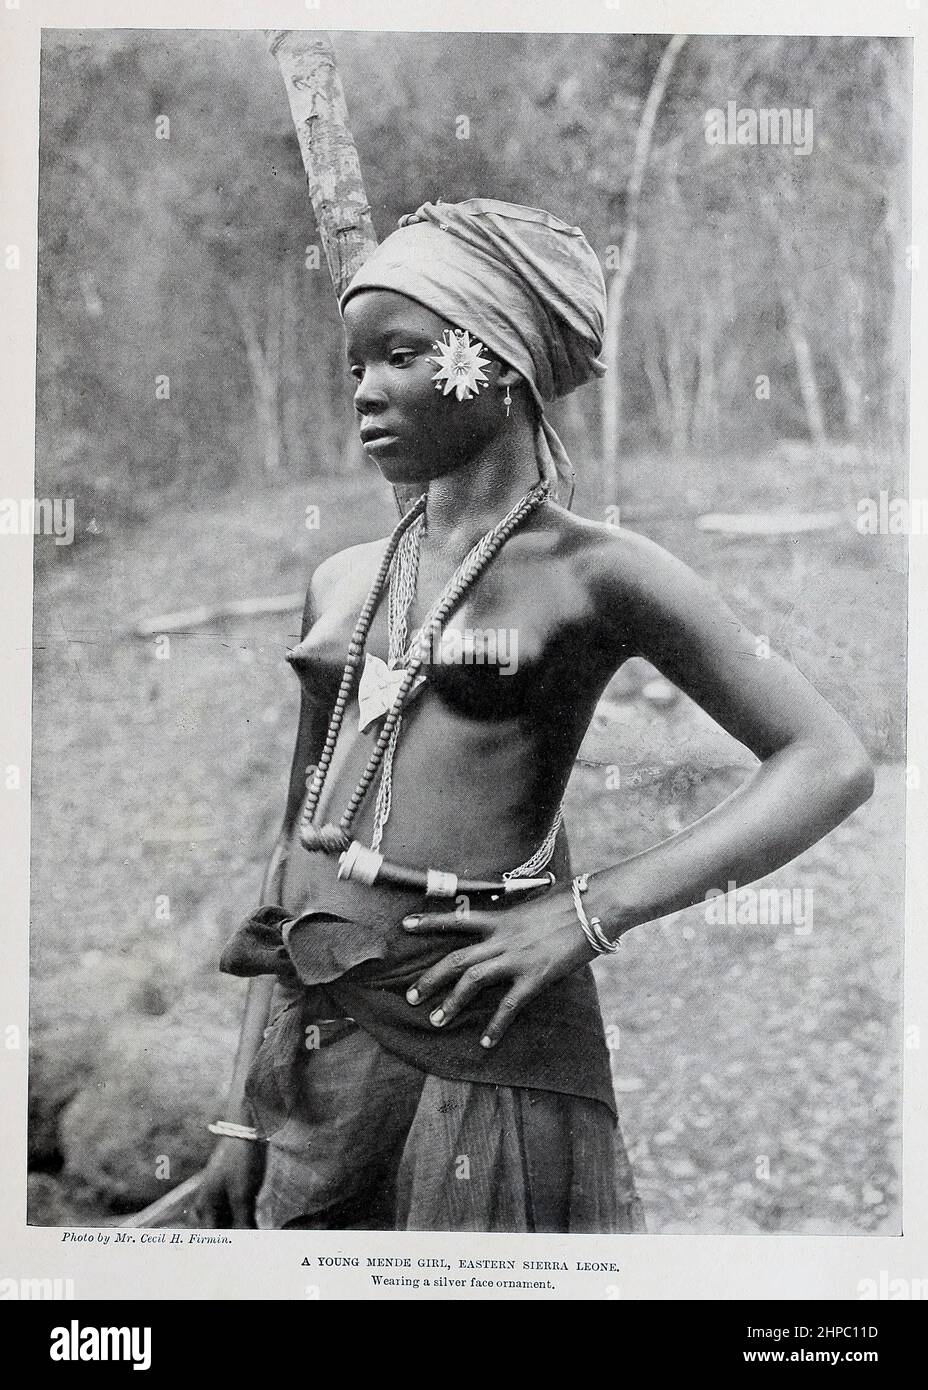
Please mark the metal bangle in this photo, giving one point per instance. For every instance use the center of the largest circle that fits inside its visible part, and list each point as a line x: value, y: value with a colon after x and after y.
x: 592, y: 926
x: 229, y: 1130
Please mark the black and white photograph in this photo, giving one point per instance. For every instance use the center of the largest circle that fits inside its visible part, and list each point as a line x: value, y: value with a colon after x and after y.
x: 470, y: 548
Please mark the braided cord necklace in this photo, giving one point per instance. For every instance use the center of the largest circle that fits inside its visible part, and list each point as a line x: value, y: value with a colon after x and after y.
x: 401, y: 576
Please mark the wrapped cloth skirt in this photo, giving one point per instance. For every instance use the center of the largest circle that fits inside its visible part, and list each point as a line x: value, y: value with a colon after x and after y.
x: 357, y: 1138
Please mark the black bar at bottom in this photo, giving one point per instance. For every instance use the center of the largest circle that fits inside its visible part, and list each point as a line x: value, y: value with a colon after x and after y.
x: 241, y: 1338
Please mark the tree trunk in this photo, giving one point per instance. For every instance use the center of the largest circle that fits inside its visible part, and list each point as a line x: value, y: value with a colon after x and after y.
x: 805, y: 365
x: 704, y: 427
x: 658, y: 383
x: 679, y: 389
x: 263, y: 363
x: 611, y: 399
x: 795, y: 324
x: 330, y: 158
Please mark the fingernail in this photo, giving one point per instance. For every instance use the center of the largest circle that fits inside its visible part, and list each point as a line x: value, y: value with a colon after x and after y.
x: 412, y: 996
x: 413, y: 920
x: 437, y: 1017
x: 486, y: 1041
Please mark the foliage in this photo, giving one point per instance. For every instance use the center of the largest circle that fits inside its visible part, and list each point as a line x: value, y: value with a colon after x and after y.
x: 186, y: 256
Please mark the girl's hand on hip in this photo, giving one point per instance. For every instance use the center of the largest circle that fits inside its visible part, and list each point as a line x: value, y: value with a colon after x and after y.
x: 527, y: 947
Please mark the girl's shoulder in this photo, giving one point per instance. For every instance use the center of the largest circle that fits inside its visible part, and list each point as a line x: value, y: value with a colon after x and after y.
x: 620, y: 562
x: 355, y: 565
x: 644, y: 596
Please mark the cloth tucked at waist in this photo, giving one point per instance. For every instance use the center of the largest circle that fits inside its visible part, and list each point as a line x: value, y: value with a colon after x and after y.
x: 359, y: 1139
x: 556, y: 1043
x: 333, y: 926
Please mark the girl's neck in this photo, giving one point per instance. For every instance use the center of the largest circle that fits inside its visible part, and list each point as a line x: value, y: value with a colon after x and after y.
x: 463, y: 505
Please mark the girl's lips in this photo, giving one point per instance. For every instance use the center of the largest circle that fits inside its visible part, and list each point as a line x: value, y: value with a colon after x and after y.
x: 380, y: 442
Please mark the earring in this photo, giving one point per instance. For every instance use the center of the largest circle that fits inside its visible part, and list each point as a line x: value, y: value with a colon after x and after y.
x: 507, y: 401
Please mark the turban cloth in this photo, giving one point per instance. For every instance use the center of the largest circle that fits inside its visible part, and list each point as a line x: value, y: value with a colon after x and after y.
x: 525, y: 283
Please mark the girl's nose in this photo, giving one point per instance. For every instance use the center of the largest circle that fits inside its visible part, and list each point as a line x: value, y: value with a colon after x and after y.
x: 370, y: 395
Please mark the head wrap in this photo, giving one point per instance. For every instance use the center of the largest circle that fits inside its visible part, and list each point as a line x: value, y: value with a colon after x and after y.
x: 525, y: 283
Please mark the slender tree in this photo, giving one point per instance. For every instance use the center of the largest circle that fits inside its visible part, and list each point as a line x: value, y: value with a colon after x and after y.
x: 612, y: 351
x: 330, y: 158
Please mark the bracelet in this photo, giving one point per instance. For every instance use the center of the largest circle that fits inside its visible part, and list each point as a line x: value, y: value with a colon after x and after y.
x: 229, y: 1130
x: 592, y: 926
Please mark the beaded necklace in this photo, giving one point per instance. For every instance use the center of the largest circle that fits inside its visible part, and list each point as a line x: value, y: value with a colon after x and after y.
x: 335, y: 839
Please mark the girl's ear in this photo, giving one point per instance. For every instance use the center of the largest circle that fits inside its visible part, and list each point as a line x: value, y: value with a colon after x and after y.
x: 508, y: 376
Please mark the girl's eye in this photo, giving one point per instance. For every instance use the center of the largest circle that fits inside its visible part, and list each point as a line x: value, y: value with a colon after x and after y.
x: 399, y: 357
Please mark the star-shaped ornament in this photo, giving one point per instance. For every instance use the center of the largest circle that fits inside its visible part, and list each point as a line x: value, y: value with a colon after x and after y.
x: 460, y: 366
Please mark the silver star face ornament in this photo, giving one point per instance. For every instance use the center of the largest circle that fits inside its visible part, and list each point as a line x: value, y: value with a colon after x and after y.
x: 460, y: 366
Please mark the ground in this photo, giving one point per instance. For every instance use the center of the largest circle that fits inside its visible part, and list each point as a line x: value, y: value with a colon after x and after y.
x: 757, y: 1067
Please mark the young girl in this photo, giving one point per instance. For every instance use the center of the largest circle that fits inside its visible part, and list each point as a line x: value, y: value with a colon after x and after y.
x: 436, y: 1058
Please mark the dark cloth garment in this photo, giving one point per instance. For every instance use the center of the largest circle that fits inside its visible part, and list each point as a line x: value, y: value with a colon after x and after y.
x: 360, y: 1139
x: 366, y: 964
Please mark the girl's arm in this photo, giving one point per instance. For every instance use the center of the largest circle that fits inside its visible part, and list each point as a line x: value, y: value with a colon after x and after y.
x: 233, y: 1174
x: 814, y: 772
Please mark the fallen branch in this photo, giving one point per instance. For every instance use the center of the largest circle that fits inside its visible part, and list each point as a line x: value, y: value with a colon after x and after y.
x: 187, y: 618
x: 170, y: 1209
x: 768, y: 523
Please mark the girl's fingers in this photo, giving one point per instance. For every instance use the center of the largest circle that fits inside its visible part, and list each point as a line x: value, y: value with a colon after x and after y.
x: 420, y: 922
x: 509, y: 1007
x: 445, y: 972
x: 474, y: 979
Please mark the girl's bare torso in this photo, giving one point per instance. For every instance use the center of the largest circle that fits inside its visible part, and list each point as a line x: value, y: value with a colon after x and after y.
x: 487, y: 745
